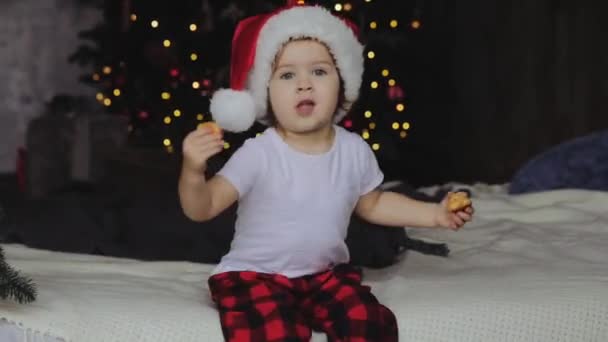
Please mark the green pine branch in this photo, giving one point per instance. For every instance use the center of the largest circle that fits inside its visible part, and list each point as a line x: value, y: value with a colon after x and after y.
x: 14, y: 286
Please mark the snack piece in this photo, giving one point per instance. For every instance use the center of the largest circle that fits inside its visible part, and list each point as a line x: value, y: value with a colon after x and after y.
x: 212, y: 126
x: 458, y: 201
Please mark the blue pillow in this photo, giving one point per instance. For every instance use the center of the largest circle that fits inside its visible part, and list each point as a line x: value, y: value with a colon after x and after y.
x: 581, y: 163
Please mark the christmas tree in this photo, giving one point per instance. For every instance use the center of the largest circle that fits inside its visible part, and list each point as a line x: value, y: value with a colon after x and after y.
x: 158, y: 62
x: 13, y: 285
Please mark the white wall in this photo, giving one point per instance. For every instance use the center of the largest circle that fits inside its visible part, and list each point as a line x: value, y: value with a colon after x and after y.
x: 36, y: 38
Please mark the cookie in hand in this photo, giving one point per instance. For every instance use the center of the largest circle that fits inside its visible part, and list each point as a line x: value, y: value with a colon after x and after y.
x: 212, y: 126
x: 458, y: 201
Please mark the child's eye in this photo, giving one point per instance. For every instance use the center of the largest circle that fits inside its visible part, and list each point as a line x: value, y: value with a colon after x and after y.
x: 320, y: 72
x: 286, y: 75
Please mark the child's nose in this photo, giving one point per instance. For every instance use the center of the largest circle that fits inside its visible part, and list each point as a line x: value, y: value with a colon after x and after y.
x: 304, y: 88
x: 304, y: 83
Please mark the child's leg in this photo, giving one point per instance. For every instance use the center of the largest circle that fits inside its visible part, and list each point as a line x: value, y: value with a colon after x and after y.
x: 257, y: 307
x: 346, y: 310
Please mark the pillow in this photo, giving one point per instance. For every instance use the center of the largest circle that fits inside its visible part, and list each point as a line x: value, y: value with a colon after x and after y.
x: 579, y: 163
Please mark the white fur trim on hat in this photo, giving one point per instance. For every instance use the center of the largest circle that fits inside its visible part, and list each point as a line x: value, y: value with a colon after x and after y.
x: 233, y: 110
x: 306, y: 21
x: 237, y: 109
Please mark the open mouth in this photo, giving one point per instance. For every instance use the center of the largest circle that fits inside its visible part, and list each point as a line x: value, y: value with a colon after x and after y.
x: 305, y: 107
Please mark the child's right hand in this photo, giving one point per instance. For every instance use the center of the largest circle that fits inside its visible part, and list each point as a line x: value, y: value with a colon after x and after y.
x: 200, y: 145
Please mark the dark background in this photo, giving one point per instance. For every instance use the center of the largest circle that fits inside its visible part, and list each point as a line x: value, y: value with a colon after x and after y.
x: 507, y: 80
x: 489, y: 84
x: 496, y: 83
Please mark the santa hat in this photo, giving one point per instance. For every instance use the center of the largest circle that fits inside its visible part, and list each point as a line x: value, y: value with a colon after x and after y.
x: 255, y: 44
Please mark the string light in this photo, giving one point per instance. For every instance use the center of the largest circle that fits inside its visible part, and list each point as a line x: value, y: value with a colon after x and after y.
x: 96, y: 77
x: 205, y: 85
x: 107, y: 70
x: 99, y: 96
x: 107, y: 102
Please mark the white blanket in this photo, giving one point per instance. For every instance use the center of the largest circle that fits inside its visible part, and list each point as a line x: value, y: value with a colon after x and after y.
x: 529, y: 268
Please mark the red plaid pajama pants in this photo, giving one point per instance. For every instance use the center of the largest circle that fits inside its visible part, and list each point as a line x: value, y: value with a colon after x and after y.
x: 260, y: 307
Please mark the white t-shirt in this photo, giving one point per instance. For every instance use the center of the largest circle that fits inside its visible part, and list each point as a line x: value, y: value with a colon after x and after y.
x: 294, y: 208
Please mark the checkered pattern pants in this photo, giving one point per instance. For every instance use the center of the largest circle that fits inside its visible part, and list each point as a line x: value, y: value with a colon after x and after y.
x: 260, y: 307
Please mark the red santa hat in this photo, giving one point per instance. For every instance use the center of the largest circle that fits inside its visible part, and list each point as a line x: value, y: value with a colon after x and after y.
x: 255, y: 44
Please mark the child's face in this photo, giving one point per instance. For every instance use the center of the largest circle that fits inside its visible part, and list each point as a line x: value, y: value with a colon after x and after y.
x: 304, y: 87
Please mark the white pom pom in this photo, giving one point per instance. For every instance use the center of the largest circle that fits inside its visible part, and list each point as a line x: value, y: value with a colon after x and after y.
x: 233, y: 110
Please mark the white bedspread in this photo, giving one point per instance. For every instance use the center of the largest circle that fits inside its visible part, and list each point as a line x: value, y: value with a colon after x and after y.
x: 529, y: 268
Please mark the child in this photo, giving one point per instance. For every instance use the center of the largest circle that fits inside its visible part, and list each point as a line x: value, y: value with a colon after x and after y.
x: 298, y: 70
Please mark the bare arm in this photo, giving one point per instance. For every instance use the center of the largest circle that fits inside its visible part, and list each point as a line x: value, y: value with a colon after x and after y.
x: 200, y: 199
x: 203, y: 200
x: 392, y: 209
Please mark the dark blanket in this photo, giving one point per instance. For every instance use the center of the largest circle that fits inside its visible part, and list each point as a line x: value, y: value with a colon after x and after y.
x: 152, y: 226
x: 581, y: 163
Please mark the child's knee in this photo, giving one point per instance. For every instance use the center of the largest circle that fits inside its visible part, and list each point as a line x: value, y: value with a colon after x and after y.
x: 370, y: 322
x: 374, y: 313
x: 387, y: 317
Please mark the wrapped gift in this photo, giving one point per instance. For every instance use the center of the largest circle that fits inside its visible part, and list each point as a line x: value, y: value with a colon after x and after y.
x: 68, y: 144
x: 96, y: 137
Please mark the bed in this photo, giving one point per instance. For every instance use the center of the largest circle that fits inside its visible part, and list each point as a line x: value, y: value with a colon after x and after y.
x: 531, y: 267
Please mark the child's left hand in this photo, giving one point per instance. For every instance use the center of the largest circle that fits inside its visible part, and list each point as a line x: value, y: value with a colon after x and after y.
x: 453, y: 219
